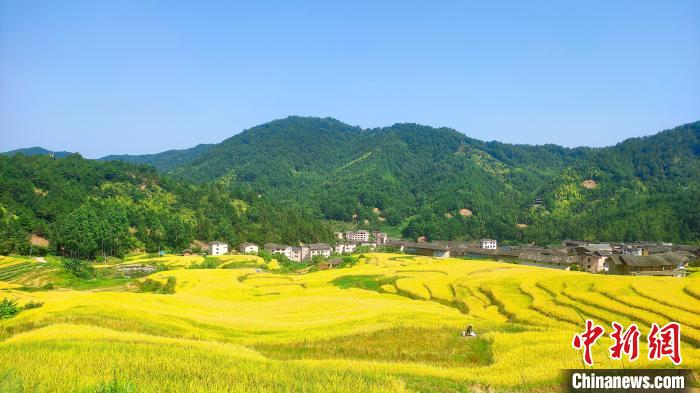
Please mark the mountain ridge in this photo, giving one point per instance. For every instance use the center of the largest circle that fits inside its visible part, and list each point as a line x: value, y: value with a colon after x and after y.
x: 418, y: 178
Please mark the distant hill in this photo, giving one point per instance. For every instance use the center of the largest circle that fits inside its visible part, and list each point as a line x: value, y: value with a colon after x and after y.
x: 164, y: 161
x: 36, y: 151
x: 442, y: 184
x: 439, y: 183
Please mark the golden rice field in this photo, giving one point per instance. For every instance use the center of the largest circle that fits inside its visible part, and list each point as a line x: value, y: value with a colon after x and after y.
x: 391, y: 323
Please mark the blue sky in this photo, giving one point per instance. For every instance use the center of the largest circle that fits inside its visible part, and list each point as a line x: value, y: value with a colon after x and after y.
x: 140, y: 77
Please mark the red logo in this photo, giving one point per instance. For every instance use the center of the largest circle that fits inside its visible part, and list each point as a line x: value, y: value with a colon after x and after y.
x: 586, y: 339
x: 665, y: 341
x: 626, y: 342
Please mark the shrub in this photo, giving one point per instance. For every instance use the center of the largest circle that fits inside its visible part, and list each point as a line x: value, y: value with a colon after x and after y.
x: 169, y: 286
x: 79, y: 268
x: 33, y: 304
x: 150, y: 285
x: 8, y: 308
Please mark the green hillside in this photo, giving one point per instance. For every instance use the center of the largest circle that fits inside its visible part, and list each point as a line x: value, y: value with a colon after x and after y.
x: 419, y: 178
x: 439, y: 183
x: 36, y: 151
x: 86, y: 208
x: 163, y: 161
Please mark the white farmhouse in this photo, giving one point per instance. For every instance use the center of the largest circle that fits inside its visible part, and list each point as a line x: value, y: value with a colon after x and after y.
x: 488, y: 244
x: 345, y: 248
x: 217, y: 248
x: 322, y: 249
x: 248, y: 248
x: 357, y: 236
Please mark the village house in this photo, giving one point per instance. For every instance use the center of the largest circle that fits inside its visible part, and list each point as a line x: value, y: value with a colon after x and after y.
x: 360, y: 235
x: 217, y: 248
x: 572, y: 244
x: 553, y: 259
x: 592, y: 259
x: 488, y: 244
x: 321, y: 249
x: 279, y: 249
x: 602, y: 247
x: 665, y: 264
x: 429, y: 249
x: 248, y: 248
x: 302, y: 253
x: 380, y: 237
x: 631, y: 250
x: 344, y: 248
x: 298, y: 254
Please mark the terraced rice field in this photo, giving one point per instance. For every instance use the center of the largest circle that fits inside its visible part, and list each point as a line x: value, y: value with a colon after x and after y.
x: 388, y: 324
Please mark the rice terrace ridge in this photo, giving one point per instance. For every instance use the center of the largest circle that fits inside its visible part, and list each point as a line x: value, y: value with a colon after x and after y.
x: 345, y: 197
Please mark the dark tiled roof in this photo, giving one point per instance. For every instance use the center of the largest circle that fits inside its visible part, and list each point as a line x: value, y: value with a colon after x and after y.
x: 427, y: 246
x: 274, y: 246
x: 665, y: 259
x: 319, y: 246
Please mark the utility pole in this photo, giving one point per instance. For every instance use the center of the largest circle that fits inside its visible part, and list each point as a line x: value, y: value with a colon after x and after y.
x: 31, y: 250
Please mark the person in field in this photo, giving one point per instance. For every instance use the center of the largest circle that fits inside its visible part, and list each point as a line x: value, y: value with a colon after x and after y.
x: 469, y: 332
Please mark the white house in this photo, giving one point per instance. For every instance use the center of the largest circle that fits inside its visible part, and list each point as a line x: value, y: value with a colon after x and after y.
x: 279, y: 249
x: 322, y: 249
x: 344, y: 248
x: 357, y: 236
x: 217, y: 248
x: 248, y: 248
x: 488, y: 244
x: 298, y: 254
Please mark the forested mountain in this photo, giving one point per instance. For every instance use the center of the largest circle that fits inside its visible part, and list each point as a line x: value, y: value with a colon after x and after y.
x: 36, y: 151
x: 164, y: 161
x: 439, y: 183
x: 87, y: 208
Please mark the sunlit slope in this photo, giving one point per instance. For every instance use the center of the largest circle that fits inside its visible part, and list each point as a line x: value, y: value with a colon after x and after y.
x: 390, y: 323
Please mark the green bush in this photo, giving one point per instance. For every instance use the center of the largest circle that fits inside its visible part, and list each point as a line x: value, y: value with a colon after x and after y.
x: 79, y: 268
x: 8, y: 308
x: 33, y: 304
x: 150, y: 285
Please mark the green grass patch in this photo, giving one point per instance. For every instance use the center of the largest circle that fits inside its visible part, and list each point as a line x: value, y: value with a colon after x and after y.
x: 443, y: 346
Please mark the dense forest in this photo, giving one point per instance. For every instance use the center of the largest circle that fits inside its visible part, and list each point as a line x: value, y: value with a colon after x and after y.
x: 439, y: 183
x: 88, y: 208
x: 286, y: 180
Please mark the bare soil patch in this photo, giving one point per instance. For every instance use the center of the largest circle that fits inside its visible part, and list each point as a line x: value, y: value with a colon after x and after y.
x: 590, y: 184
x: 465, y: 212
